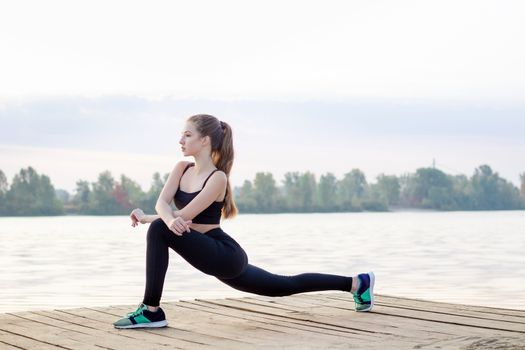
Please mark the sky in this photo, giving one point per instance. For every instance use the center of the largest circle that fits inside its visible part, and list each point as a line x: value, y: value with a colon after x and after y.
x: 321, y: 86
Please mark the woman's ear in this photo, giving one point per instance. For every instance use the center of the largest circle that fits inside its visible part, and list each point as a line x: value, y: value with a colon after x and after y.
x: 206, y: 140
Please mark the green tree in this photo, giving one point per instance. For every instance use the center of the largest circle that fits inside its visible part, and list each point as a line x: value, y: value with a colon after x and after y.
x: 326, y: 192
x: 388, y: 189
x: 129, y: 193
x: 292, y: 190
x: 300, y: 191
x: 484, y: 188
x: 431, y: 189
x: 351, y: 190
x: 265, y: 192
x: 150, y: 198
x: 490, y: 192
x: 246, y: 198
x: 379, y: 195
x: 103, y: 201
x: 46, y: 195
x: 461, y: 192
x: 406, y: 183
x: 508, y: 196
x: 308, y: 191
x: 32, y: 194
x: 82, y: 196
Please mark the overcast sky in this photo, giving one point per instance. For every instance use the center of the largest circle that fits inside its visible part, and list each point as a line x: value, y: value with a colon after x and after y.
x: 385, y: 86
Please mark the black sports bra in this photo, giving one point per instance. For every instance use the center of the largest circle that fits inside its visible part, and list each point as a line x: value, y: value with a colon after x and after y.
x: 210, y: 215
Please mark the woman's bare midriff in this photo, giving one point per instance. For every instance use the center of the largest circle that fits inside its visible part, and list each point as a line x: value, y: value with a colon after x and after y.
x: 202, y: 228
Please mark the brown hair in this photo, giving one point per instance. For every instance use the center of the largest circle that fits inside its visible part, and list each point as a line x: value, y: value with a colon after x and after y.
x: 220, y: 134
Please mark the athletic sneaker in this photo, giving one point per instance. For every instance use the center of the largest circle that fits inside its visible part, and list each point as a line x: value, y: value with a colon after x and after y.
x: 364, y: 297
x: 142, y: 318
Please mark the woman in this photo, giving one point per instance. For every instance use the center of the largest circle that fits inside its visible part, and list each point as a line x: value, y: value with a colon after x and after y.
x: 202, y: 194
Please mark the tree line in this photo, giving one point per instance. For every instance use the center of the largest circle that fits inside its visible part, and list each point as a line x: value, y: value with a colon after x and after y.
x: 427, y: 188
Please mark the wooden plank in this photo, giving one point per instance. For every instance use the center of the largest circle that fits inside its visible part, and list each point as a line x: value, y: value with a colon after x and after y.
x: 481, y: 309
x: 95, y: 320
x: 452, y: 309
x: 517, y: 314
x: 173, y: 334
x: 45, y: 334
x: 278, y: 321
x: 438, y: 319
x: 300, y: 321
x: 249, y: 330
x: 290, y: 338
x: 9, y: 340
x: 242, y: 332
x: 360, y: 323
x: 453, y: 318
x: 285, y: 326
x: 226, y: 323
x: 113, y: 338
x: 408, y: 321
x: 476, y: 342
x: 329, y: 299
x: 465, y: 313
x: 372, y: 318
x: 5, y: 346
x: 145, y: 339
x: 474, y: 334
x: 200, y: 325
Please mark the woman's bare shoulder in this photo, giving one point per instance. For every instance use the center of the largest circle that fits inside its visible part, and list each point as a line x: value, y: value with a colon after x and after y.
x: 219, y: 176
x: 181, y: 165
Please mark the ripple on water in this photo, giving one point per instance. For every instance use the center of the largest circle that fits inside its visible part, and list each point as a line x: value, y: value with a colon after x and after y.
x: 74, y: 261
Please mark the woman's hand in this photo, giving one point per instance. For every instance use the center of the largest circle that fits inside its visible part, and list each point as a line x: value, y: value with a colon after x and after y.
x: 137, y: 215
x: 178, y: 225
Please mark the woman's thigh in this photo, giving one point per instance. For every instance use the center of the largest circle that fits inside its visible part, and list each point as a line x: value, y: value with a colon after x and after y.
x: 216, y: 254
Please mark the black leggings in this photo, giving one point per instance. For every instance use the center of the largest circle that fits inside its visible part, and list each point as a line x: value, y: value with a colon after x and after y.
x: 216, y: 253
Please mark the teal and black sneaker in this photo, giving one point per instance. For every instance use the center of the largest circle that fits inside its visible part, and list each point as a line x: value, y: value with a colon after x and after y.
x: 364, y: 296
x: 142, y: 318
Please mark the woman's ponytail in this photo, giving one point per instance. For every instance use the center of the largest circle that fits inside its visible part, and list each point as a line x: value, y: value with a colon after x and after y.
x: 222, y: 153
x: 223, y: 160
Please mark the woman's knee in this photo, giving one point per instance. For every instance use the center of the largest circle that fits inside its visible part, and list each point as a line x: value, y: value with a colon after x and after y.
x: 156, y: 229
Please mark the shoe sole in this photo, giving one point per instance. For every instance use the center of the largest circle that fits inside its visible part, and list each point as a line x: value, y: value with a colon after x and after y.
x: 371, y: 287
x: 157, y: 324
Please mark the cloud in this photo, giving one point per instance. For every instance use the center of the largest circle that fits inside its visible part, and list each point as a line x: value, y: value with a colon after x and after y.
x: 376, y: 136
x: 66, y: 166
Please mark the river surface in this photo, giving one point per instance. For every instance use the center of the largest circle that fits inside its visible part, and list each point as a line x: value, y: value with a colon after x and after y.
x: 461, y: 257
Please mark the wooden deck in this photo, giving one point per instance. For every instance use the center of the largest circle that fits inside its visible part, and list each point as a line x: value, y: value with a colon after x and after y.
x: 301, y: 321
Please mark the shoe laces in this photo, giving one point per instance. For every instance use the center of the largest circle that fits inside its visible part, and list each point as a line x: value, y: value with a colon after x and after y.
x: 138, y: 311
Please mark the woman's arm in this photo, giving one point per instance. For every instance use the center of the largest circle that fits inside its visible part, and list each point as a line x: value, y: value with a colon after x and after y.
x: 198, y: 204
x: 148, y: 219
x: 162, y: 207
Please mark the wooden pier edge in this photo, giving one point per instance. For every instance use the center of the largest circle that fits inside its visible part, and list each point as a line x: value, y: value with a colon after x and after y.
x: 300, y: 321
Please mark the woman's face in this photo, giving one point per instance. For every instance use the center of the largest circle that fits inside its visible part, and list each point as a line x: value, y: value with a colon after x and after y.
x: 190, y: 141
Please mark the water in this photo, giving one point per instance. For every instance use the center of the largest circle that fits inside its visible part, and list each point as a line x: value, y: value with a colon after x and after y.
x: 461, y: 257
